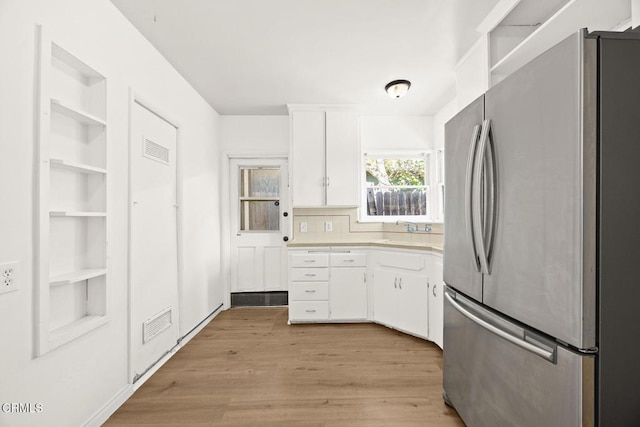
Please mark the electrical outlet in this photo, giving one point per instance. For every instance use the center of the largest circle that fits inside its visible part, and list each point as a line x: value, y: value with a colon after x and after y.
x: 303, y: 227
x: 8, y: 277
x: 328, y: 226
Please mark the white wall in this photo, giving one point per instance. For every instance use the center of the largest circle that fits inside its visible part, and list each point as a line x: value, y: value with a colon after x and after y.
x: 472, y: 73
x: 74, y: 381
x: 254, y: 134
x: 389, y: 133
x: 439, y: 120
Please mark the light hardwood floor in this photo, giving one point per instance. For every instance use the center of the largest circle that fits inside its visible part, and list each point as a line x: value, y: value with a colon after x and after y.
x: 248, y: 367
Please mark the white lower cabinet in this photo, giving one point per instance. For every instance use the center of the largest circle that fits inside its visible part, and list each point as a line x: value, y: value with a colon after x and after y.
x: 436, y: 299
x: 330, y: 285
x: 401, y: 300
x: 327, y: 285
x: 348, y: 293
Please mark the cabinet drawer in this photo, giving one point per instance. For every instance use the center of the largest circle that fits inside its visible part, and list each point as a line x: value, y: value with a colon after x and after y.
x: 309, y: 274
x: 309, y: 260
x: 308, y: 291
x: 309, y: 310
x: 348, y: 260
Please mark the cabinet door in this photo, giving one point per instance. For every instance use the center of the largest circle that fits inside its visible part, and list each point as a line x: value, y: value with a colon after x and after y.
x: 413, y: 304
x: 343, y: 158
x: 436, y: 310
x: 308, y: 168
x: 348, y: 293
x: 385, y: 297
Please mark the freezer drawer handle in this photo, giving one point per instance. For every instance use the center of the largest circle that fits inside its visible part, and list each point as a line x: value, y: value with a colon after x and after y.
x: 544, y: 353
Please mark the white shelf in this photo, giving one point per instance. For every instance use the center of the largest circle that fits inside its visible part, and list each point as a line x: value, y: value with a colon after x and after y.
x: 76, y: 114
x: 69, y: 332
x: 76, y: 167
x: 77, y: 214
x: 576, y: 14
x: 75, y: 63
x: 76, y: 276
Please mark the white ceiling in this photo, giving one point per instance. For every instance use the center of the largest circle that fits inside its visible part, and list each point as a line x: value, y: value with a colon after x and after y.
x: 255, y: 56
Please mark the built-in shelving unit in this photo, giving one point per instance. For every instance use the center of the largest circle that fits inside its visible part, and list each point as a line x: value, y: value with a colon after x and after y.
x: 532, y: 26
x: 72, y: 197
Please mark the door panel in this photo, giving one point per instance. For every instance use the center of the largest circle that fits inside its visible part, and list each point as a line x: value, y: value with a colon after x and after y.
x: 413, y: 304
x: 274, y: 257
x: 246, y: 267
x: 348, y: 293
x: 492, y: 382
x: 308, y: 152
x: 536, y: 265
x: 436, y: 290
x: 342, y: 149
x: 385, y: 297
x: 460, y: 269
x: 154, y: 256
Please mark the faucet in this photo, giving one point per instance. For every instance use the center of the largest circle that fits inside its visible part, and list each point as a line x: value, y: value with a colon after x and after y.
x: 412, y: 227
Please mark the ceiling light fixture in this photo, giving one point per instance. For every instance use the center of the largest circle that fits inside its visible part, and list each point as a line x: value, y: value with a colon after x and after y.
x: 397, y: 88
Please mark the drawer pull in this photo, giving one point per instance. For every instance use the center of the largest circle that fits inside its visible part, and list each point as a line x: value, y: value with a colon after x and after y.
x: 310, y: 275
x: 309, y: 260
x: 310, y: 310
x: 310, y: 291
x: 349, y: 260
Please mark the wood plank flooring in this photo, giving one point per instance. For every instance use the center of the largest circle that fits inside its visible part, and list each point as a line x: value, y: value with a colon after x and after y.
x: 248, y: 367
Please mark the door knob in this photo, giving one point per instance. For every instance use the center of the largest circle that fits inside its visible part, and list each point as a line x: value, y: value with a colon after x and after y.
x: 285, y: 214
x: 285, y: 238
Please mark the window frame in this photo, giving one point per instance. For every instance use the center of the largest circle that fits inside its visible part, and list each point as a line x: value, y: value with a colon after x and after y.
x: 429, y: 176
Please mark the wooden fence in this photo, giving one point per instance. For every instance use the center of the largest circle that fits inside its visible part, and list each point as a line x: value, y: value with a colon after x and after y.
x: 397, y: 201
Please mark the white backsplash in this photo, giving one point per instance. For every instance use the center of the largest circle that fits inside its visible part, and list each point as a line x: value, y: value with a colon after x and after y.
x: 346, y: 228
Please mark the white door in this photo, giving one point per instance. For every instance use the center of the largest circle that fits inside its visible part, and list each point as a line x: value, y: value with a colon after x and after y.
x: 348, y: 290
x: 385, y: 296
x: 260, y: 220
x: 413, y: 304
x: 436, y: 301
x: 342, y: 158
x: 153, y: 250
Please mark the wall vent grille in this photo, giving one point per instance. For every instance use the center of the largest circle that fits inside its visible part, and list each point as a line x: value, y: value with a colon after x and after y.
x: 153, y: 326
x: 156, y: 151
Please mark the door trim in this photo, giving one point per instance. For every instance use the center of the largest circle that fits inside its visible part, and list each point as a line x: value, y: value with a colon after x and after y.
x: 136, y: 98
x: 225, y: 217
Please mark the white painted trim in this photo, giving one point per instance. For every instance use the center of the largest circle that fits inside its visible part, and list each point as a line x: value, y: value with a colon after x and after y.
x: 496, y: 15
x: 254, y: 155
x: 109, y: 408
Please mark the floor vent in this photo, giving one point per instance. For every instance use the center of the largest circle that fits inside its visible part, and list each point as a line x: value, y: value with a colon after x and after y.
x: 259, y: 299
x: 156, y: 324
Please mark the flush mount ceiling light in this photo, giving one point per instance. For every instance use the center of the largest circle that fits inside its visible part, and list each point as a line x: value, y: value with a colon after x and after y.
x: 397, y: 88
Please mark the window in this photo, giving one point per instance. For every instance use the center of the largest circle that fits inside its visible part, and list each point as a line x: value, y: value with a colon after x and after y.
x: 397, y: 186
x: 259, y: 199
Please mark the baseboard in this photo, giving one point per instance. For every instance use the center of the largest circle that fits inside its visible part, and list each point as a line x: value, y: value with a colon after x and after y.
x: 103, y: 414
x: 110, y: 407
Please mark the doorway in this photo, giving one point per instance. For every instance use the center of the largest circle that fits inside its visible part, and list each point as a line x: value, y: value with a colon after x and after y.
x: 260, y: 217
x: 153, y: 239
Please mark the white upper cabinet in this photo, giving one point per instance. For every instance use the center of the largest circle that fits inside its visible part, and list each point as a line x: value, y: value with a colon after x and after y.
x: 342, y: 158
x: 325, y: 156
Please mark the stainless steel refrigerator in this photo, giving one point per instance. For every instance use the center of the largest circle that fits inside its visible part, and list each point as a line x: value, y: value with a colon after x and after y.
x: 542, y: 242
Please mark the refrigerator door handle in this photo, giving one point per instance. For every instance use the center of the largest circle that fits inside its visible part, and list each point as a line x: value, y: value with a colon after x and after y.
x: 491, y: 194
x: 545, y: 353
x: 477, y: 199
x: 468, y: 194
